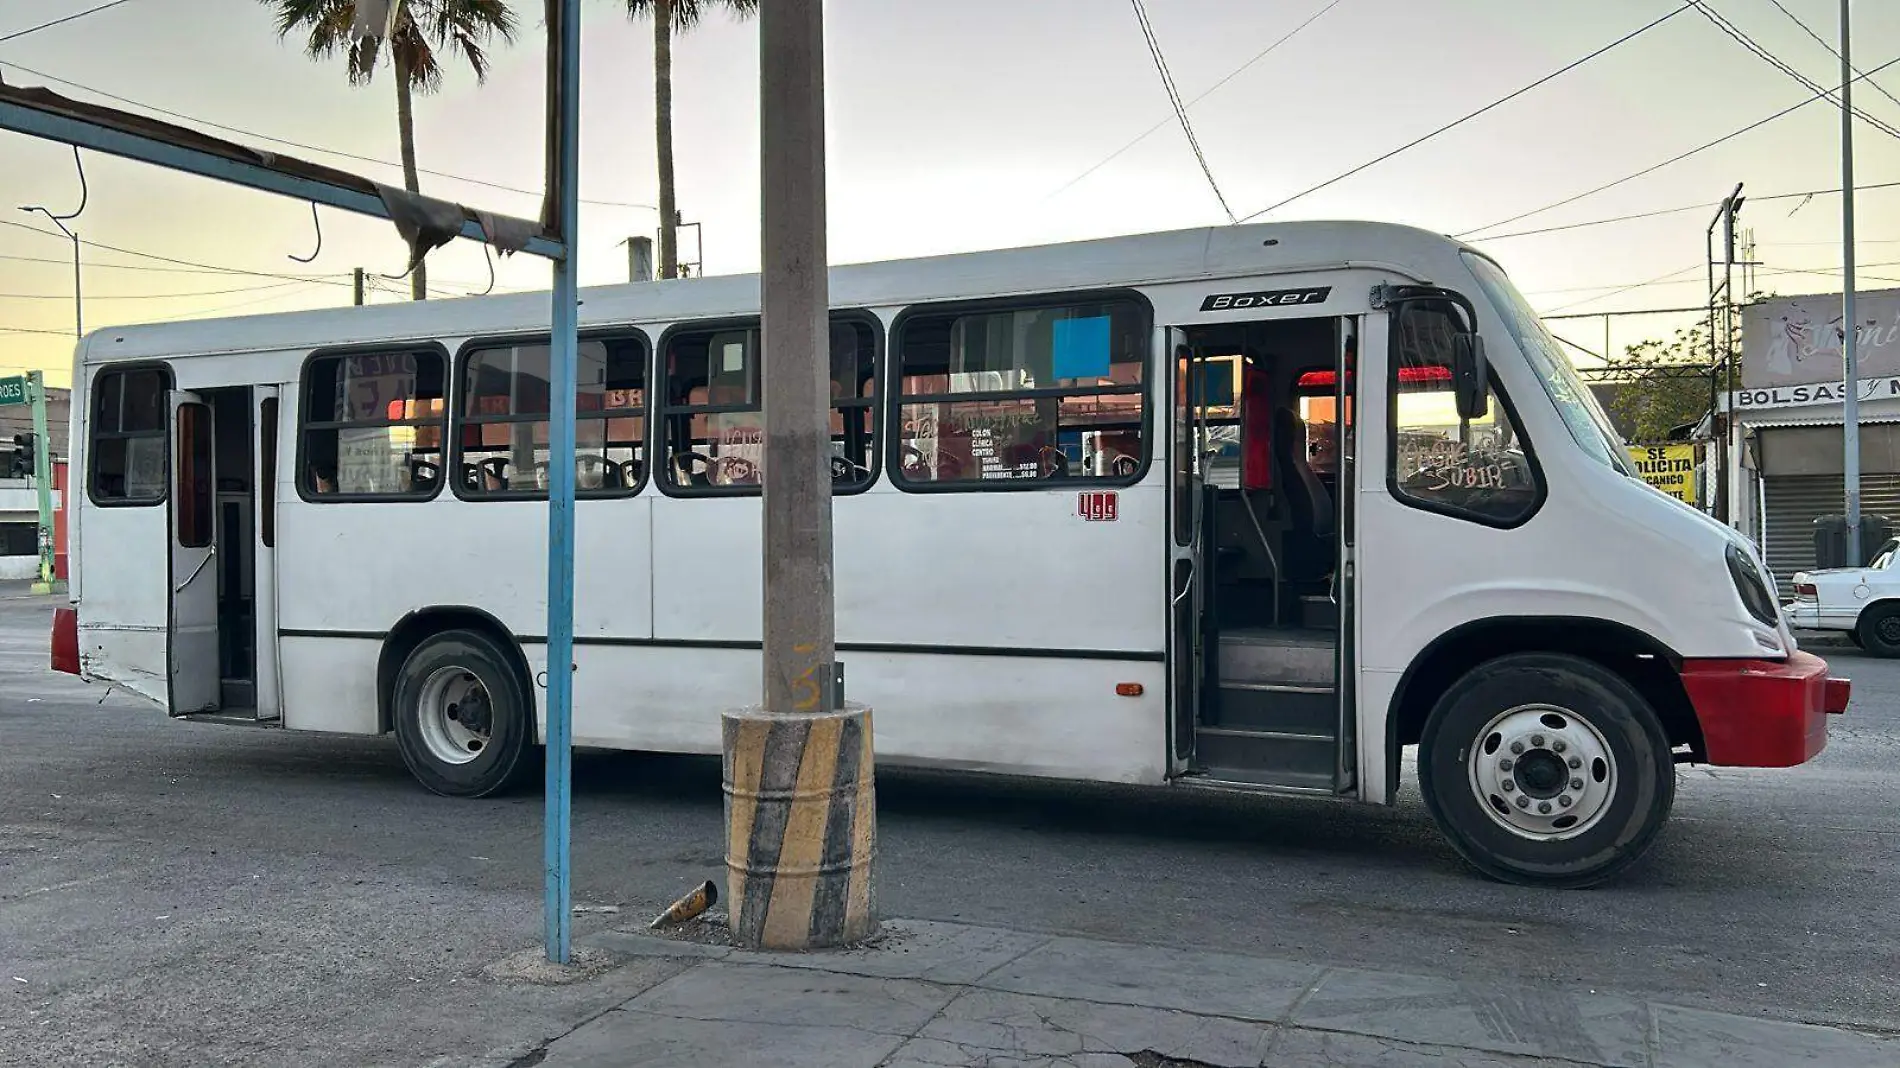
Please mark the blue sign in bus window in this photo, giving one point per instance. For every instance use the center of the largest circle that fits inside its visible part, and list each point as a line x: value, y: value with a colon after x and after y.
x: 1082, y: 349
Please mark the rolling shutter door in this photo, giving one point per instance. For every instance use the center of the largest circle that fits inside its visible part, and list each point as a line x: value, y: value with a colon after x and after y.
x: 1796, y: 501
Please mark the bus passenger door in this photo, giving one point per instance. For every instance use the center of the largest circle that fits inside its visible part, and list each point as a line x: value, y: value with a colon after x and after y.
x: 1186, y: 581
x: 192, y: 638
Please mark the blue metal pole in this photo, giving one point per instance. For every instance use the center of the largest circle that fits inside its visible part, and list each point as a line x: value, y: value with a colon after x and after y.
x: 562, y: 356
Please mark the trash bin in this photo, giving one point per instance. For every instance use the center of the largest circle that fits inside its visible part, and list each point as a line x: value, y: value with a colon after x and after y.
x: 1830, y: 539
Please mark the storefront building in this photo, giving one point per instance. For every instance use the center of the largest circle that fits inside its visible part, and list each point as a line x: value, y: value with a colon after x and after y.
x: 1785, y: 425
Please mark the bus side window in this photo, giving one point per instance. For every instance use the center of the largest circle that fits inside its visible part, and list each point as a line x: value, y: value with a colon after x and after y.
x: 713, y: 425
x: 502, y: 446
x: 373, y: 425
x: 1042, y: 392
x: 127, y: 449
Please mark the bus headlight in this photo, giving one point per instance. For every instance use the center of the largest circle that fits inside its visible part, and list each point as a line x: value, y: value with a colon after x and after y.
x: 1751, y: 587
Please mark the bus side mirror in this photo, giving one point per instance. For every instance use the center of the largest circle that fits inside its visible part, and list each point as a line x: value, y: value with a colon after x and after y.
x: 1470, y: 377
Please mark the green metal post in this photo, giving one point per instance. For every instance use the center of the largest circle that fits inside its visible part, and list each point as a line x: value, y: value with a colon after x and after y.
x: 43, y: 478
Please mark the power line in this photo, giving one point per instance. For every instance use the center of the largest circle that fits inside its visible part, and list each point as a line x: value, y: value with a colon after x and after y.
x: 67, y: 263
x: 241, y: 132
x: 1180, y: 109
x: 17, y: 34
x: 1671, y: 160
x: 151, y: 296
x: 1508, y: 97
x: 1231, y: 75
x: 205, y: 268
x: 1625, y: 289
x: 1736, y: 34
x: 1822, y: 41
x: 1698, y: 206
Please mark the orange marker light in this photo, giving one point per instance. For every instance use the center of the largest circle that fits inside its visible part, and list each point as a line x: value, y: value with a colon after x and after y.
x: 1129, y: 689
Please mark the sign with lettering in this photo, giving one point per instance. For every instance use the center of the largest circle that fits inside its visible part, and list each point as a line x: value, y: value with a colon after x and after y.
x: 1670, y: 468
x: 1794, y: 341
x: 1266, y: 298
x: 13, y: 390
x: 1871, y: 389
x: 1098, y: 506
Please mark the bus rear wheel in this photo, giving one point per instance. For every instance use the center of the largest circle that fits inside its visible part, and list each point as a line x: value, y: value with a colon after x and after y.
x: 1546, y: 770
x: 462, y: 721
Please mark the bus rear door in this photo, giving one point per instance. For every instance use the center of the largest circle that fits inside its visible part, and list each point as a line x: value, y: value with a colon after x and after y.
x: 192, y: 629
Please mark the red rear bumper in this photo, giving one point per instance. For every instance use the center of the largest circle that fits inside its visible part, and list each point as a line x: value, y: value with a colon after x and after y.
x: 1764, y: 713
x: 66, y: 640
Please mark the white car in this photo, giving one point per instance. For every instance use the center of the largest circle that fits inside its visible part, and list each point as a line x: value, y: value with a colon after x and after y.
x: 1863, y: 601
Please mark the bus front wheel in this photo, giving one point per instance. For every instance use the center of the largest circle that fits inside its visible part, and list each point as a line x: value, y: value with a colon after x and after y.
x: 1548, y: 770
x: 462, y: 721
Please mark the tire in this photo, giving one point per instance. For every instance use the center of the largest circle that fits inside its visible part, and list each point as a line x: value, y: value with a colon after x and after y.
x: 1878, y: 631
x: 435, y: 726
x: 1854, y: 636
x: 1537, y: 701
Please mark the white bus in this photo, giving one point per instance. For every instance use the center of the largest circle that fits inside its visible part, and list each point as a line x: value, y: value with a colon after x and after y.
x: 1247, y: 508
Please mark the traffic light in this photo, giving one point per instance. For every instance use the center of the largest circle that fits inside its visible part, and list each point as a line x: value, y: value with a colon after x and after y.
x: 23, y: 446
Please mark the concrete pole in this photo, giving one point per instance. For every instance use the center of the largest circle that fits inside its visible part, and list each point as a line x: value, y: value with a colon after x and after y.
x: 564, y: 83
x: 356, y: 286
x: 1850, y: 356
x: 639, y: 259
x: 800, y: 816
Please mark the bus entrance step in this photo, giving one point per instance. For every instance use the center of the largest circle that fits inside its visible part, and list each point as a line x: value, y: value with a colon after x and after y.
x: 1293, y: 657
x: 1276, y: 706
x: 1274, y: 752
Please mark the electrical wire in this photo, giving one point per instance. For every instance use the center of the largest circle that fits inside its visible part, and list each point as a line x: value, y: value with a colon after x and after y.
x: 241, y: 132
x: 1231, y: 75
x: 17, y: 34
x: 1658, y: 280
x: 1698, y: 206
x: 1180, y: 109
x: 1756, y: 125
x: 1508, y: 97
x: 150, y: 296
x: 1736, y: 34
x: 1822, y: 41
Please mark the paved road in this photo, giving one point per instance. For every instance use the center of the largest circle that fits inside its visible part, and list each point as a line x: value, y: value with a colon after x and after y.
x: 252, y: 895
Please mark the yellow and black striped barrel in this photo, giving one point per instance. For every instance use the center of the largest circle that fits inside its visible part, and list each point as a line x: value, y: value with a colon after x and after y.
x: 801, y: 827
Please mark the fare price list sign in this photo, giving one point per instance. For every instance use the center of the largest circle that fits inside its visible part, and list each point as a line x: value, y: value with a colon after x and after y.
x: 983, y: 450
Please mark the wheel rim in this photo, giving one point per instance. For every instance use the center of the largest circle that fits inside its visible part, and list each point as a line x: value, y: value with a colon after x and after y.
x: 456, y: 715
x: 1888, y: 630
x: 1543, y: 772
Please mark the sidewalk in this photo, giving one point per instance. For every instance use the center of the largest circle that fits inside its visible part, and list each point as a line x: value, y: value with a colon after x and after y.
x: 934, y: 995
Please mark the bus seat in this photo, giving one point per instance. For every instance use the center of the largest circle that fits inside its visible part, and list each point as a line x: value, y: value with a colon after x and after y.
x: 1308, y: 497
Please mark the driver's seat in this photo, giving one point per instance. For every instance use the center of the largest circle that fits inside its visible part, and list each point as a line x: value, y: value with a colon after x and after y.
x: 1309, y: 540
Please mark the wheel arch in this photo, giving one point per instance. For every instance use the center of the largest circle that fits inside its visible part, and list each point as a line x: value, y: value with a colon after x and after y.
x: 424, y: 623
x: 1647, y: 664
x: 1883, y: 601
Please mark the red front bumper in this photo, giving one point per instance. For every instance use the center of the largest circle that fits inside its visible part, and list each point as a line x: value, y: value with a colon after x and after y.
x: 1764, y: 713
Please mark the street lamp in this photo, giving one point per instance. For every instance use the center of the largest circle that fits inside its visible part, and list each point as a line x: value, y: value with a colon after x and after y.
x: 79, y: 318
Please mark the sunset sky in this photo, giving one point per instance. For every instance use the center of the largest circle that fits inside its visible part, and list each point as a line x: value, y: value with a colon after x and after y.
x: 966, y: 126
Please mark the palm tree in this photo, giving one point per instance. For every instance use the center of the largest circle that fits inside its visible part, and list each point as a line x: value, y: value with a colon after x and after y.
x: 670, y: 17
x: 425, y: 31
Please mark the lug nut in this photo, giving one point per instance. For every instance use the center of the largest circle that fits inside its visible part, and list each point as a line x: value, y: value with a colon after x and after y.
x: 1576, y: 784
x: 1523, y: 802
x: 1544, y: 807
x: 1537, y: 740
x: 1564, y: 800
x: 1575, y: 763
x: 1517, y: 747
x: 1558, y: 746
x: 1505, y: 764
x: 1509, y: 786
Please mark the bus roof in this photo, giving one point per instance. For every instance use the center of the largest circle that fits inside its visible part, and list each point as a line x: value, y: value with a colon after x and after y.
x: 1179, y: 255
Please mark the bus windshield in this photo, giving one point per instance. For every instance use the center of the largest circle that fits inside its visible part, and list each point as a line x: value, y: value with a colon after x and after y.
x: 1581, y: 413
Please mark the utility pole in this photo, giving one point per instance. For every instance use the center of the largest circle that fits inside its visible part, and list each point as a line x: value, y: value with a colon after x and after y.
x: 79, y: 316
x: 42, y: 478
x: 801, y: 810
x: 356, y: 285
x: 1850, y: 356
